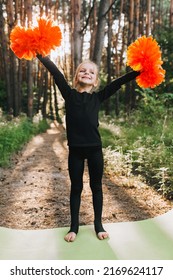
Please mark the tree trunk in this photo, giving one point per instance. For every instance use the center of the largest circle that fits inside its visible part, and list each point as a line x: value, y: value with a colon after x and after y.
x: 131, y: 22
x: 109, y: 55
x: 76, y: 34
x: 29, y: 65
x: 137, y: 14
x: 93, y: 30
x: 3, y: 43
x: 171, y: 14
x: 58, y: 118
x: 148, y: 19
x: 128, y: 91
x: 13, y: 68
x: 99, y: 42
x: 45, y: 95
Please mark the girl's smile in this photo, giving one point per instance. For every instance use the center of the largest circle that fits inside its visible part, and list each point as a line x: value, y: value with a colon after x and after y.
x: 86, y: 77
x: 87, y: 73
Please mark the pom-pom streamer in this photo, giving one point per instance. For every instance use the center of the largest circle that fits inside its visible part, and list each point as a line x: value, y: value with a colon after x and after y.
x: 28, y: 42
x: 144, y: 55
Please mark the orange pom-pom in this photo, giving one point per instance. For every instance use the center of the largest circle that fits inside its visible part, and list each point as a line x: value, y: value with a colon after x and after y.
x: 151, y: 78
x: 48, y: 36
x: 23, y: 42
x: 27, y: 43
x: 144, y: 55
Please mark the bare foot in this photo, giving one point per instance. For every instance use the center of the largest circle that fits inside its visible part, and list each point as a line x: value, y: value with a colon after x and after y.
x: 102, y: 235
x: 70, y: 237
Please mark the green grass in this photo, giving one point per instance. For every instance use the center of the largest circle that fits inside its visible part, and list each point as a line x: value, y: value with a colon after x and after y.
x: 108, y: 138
x: 144, y: 147
x: 15, y: 134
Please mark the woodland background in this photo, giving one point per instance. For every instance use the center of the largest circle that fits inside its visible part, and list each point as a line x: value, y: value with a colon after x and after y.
x: 99, y: 30
x: 135, y: 124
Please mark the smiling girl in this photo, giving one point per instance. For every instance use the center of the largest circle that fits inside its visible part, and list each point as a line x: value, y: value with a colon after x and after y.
x: 82, y: 104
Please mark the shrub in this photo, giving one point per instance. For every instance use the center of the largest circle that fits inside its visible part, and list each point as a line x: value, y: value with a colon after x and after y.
x: 141, y: 145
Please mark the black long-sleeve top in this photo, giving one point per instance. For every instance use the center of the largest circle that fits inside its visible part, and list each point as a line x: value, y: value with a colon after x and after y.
x: 82, y: 109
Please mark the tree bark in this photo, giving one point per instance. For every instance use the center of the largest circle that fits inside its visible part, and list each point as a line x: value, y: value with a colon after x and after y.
x: 3, y: 43
x: 137, y: 15
x: 100, y: 35
x: 148, y: 19
x: 29, y: 66
x: 171, y: 14
x: 109, y: 55
x: 76, y: 34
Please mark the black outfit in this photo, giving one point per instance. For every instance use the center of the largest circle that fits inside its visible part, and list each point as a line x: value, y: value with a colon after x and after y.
x: 84, y: 139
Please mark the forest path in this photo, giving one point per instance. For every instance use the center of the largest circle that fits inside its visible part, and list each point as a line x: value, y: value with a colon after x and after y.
x: 34, y: 192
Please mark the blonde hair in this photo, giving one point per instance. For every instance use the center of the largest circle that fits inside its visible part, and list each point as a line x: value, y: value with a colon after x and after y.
x: 75, y: 81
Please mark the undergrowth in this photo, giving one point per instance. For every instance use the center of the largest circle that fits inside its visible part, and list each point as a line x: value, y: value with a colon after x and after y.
x: 15, y: 134
x: 141, y: 144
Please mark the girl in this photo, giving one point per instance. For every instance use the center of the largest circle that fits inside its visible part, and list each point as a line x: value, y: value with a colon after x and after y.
x: 82, y: 105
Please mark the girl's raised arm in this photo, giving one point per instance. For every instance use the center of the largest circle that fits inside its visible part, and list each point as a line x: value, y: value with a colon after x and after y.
x: 60, y: 81
x: 115, y: 85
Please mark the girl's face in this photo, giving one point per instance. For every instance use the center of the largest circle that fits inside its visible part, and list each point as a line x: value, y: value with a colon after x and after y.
x: 87, y: 74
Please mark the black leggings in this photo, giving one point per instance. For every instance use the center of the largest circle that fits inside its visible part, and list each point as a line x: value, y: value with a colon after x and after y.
x: 94, y: 156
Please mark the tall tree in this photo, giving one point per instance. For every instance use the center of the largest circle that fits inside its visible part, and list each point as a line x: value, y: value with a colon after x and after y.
x: 100, y: 35
x: 93, y: 28
x: 28, y: 8
x: 109, y: 55
x: 128, y: 91
x: 148, y: 19
x: 171, y: 13
x: 137, y: 18
x: 76, y: 42
x: 131, y: 22
x: 5, y: 65
x: 13, y: 69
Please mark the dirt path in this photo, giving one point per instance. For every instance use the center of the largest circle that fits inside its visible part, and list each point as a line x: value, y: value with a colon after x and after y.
x: 34, y: 192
